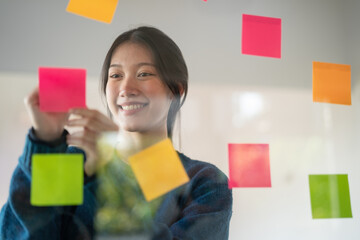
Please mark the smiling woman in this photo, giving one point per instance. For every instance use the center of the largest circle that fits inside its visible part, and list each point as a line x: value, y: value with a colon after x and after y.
x: 162, y: 58
x: 144, y: 82
x: 135, y: 93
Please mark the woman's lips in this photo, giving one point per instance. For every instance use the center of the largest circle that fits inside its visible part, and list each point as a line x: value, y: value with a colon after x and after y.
x: 131, y: 108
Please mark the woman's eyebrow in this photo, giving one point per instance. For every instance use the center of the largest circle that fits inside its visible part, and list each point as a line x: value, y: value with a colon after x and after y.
x: 115, y: 65
x: 145, y: 64
x: 138, y: 65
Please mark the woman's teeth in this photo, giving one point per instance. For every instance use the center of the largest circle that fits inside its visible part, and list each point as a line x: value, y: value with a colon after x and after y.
x: 132, y: 107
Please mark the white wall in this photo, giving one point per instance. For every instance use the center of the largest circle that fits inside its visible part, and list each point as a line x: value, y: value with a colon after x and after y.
x: 304, y: 137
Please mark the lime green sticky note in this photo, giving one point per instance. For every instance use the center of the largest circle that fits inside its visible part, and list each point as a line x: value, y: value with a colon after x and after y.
x: 330, y: 196
x: 57, y: 179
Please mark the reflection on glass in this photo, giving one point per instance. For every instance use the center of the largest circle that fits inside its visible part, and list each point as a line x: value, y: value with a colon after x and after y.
x: 245, y: 107
x: 122, y: 208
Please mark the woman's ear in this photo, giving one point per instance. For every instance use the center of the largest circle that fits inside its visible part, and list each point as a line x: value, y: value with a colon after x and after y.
x: 181, y: 88
x: 181, y: 92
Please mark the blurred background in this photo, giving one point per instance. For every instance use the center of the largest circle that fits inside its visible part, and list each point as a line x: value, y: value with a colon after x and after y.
x: 233, y: 98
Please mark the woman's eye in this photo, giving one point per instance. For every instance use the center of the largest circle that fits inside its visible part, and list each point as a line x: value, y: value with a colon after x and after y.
x: 144, y: 74
x: 115, y: 75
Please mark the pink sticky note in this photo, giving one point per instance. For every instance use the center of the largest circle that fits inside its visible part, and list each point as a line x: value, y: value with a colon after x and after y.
x: 61, y: 89
x: 249, y: 165
x: 261, y: 36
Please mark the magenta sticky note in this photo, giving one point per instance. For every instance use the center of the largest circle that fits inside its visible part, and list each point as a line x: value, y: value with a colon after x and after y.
x: 261, y: 36
x: 249, y: 165
x: 61, y: 89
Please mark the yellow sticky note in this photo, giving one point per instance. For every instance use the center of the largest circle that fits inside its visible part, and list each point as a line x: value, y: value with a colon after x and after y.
x: 101, y: 10
x: 332, y: 83
x: 158, y: 169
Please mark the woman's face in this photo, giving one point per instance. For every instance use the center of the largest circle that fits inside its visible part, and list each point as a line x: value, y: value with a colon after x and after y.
x: 135, y: 94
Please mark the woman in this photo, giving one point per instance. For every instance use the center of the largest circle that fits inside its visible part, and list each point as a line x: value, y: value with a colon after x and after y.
x: 144, y: 81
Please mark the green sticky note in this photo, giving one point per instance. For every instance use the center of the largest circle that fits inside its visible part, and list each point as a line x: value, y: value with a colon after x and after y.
x: 57, y: 179
x: 330, y: 196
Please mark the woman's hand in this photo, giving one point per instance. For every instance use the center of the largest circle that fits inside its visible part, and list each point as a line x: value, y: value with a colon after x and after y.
x: 93, y: 123
x: 48, y: 126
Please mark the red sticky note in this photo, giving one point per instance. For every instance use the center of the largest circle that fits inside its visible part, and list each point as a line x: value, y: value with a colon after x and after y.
x: 249, y: 165
x: 261, y: 36
x: 61, y: 89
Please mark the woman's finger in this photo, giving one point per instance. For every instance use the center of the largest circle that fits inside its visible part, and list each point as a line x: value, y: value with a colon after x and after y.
x: 33, y: 97
x: 93, y: 119
x: 79, y: 142
x: 87, y: 135
x: 91, y: 124
x: 88, y: 146
x: 108, y: 124
x: 90, y: 152
x: 32, y: 100
x: 86, y: 113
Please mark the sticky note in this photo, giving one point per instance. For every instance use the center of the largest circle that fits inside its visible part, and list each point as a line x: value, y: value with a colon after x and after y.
x: 249, y: 165
x: 57, y: 179
x: 158, y: 169
x: 61, y: 89
x: 261, y: 36
x: 100, y: 10
x: 330, y: 196
x: 332, y: 83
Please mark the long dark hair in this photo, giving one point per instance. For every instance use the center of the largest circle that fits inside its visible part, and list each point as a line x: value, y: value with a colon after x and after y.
x: 169, y: 62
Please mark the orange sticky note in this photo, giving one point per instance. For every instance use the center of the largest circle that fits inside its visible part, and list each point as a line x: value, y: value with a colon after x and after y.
x: 158, y: 169
x: 332, y: 83
x: 100, y: 10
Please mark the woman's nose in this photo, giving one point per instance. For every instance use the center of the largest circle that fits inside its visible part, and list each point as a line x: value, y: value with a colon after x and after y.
x: 128, y: 87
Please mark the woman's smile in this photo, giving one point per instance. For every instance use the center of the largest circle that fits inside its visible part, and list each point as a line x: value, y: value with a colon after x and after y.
x: 131, y: 108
